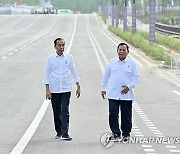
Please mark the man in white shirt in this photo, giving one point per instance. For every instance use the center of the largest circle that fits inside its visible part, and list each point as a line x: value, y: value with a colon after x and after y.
x: 59, y: 69
x: 120, y: 77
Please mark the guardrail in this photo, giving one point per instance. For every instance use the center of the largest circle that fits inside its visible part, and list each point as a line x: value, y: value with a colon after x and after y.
x: 167, y: 29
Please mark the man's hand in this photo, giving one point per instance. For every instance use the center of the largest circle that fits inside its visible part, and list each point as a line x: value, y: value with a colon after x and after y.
x: 125, y: 90
x: 78, y: 91
x: 103, y: 93
x: 48, y: 95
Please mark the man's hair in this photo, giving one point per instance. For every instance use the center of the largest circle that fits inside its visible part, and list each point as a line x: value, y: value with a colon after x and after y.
x: 123, y: 44
x: 55, y: 41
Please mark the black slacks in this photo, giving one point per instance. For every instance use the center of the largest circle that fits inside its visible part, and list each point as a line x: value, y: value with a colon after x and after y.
x: 126, y: 116
x: 60, y: 105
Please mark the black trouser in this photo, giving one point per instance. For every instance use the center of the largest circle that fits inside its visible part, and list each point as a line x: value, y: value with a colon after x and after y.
x: 126, y: 116
x: 60, y: 105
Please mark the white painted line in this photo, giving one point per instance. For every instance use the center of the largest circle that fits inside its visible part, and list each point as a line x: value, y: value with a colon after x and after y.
x: 4, y: 57
x: 149, y: 150
x: 153, y: 127
x: 137, y: 132
x: 72, y: 38
x: 141, y: 113
x: 150, y: 125
x: 155, y: 130
x: 97, y: 44
x: 160, y: 136
x: 175, y: 151
x: 25, y: 45
x: 135, y: 129
x: 144, y: 117
x: 157, y: 133
x: 146, y: 120
x: 18, y: 149
x: 146, y: 146
x: 97, y: 20
x: 10, y: 53
x: 16, y: 50
x: 95, y: 49
x: 176, y: 92
x: 171, y: 146
x: 139, y: 135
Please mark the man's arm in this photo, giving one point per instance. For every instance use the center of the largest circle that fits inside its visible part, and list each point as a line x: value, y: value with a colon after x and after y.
x: 105, y: 81
x: 75, y: 77
x: 48, y: 93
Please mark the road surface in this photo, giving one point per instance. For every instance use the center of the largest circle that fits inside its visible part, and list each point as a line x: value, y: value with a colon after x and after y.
x: 26, y: 121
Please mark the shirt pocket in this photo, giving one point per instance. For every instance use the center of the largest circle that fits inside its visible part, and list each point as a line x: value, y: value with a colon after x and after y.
x: 114, y: 69
x: 66, y: 65
x: 127, y: 70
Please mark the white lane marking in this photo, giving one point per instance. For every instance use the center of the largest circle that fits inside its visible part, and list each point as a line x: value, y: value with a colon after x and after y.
x: 134, y: 130
x: 10, y: 53
x: 176, y: 92
x: 139, y: 135
x: 151, y: 125
x: 171, y: 146
x: 18, y: 149
x: 97, y: 44
x: 97, y: 20
x: 154, y: 129
x: 4, y: 57
x: 72, y: 38
x: 117, y: 45
x: 146, y: 146
x: 174, y: 151
x: 95, y: 49
x: 158, y: 133
x: 149, y: 150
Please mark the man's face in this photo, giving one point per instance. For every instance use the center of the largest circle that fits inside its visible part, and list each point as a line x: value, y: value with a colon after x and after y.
x: 60, y: 45
x: 122, y: 52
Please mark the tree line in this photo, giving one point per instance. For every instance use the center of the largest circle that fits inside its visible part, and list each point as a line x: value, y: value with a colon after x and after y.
x: 84, y: 6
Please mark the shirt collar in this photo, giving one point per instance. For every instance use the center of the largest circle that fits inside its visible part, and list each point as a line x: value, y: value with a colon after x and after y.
x: 59, y: 55
x: 125, y: 60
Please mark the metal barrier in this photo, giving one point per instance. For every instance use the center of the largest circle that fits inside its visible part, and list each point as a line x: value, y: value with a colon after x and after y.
x: 167, y: 29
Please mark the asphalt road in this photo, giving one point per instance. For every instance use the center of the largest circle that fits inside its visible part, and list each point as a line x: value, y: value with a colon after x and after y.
x: 26, y: 121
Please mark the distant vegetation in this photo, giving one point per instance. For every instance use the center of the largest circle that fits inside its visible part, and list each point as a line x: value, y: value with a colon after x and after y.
x: 84, y: 6
x: 140, y: 41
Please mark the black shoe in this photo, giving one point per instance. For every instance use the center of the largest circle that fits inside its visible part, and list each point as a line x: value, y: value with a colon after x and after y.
x: 57, y: 136
x: 66, y: 137
x: 114, y: 137
x: 125, y: 138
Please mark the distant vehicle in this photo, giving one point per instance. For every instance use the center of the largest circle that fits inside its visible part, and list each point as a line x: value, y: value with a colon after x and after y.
x: 44, y: 10
x: 64, y: 11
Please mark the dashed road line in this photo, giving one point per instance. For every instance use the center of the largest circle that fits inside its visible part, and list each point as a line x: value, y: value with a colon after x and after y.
x: 153, y: 128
